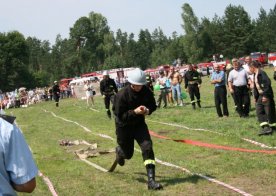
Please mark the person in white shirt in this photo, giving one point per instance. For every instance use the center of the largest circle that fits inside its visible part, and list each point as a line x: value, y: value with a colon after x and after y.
x: 238, y: 86
x: 88, y: 87
x: 163, y: 92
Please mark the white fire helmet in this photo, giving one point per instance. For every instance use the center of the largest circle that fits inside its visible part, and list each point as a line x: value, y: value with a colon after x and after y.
x: 105, y: 73
x: 137, y: 77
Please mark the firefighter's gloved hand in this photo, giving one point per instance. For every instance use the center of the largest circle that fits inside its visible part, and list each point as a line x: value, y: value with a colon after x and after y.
x: 198, y: 85
x: 141, y: 110
x: 103, y: 96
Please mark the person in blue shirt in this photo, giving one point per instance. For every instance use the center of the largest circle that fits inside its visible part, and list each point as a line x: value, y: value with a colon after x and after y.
x: 17, y: 167
x: 220, y: 92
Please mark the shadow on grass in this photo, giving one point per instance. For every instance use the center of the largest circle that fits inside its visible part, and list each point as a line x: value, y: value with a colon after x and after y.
x: 208, y: 106
x: 167, y: 181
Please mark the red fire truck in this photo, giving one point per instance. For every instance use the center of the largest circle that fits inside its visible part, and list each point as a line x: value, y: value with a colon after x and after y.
x: 258, y: 56
x: 271, y: 58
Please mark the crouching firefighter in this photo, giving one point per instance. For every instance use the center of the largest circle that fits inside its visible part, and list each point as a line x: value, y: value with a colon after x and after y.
x: 192, y: 84
x: 263, y: 94
x: 108, y: 88
x: 131, y: 105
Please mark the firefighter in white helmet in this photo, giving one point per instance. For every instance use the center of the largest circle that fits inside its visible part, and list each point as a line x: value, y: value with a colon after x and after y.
x: 131, y: 105
x: 108, y: 88
x: 56, y: 93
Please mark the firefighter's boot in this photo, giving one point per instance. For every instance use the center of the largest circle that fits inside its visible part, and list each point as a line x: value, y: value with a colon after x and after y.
x: 273, y: 128
x: 120, y: 156
x: 152, y: 184
x: 108, y: 113
x: 194, y: 107
x: 198, y: 104
x: 56, y: 104
x: 265, y: 130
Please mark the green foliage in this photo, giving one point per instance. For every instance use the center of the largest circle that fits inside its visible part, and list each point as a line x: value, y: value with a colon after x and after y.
x: 14, y: 55
x: 41, y: 79
x: 238, y: 38
x: 264, y: 30
x: 114, y: 61
x: 191, y: 40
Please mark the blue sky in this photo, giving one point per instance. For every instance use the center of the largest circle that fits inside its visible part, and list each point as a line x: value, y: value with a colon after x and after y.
x: 44, y: 19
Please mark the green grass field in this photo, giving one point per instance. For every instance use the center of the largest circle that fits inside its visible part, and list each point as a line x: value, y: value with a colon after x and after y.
x: 253, y: 173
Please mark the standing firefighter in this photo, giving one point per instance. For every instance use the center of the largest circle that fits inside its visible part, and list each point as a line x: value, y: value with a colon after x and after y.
x: 263, y: 93
x: 56, y: 93
x: 192, y: 84
x: 108, y: 88
x: 131, y: 105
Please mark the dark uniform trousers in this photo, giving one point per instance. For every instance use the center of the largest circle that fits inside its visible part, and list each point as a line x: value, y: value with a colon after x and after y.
x: 194, y: 92
x: 221, y: 98
x: 242, y: 99
x: 109, y: 97
x: 266, y: 111
x: 127, y: 135
x: 56, y: 94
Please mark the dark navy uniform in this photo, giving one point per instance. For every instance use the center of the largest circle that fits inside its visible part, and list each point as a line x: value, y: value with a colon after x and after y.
x: 192, y: 80
x: 265, y: 110
x: 108, y: 88
x: 149, y: 82
x: 56, y: 94
x: 130, y: 126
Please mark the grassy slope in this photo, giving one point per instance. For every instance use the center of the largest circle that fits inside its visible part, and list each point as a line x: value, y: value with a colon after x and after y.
x: 254, y: 173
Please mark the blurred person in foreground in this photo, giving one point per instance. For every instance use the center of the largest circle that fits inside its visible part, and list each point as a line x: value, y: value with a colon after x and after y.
x: 264, y: 98
x: 131, y: 105
x: 17, y: 167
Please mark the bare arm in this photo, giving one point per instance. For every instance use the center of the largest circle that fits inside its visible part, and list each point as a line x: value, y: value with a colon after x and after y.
x: 28, y: 187
x: 230, y: 84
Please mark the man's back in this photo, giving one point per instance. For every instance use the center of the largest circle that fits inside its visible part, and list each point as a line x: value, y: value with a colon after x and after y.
x: 16, y: 163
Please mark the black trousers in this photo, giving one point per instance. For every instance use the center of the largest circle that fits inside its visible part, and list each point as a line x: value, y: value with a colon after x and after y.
x: 140, y: 133
x: 107, y: 99
x: 266, y: 111
x: 194, y: 92
x: 221, y: 99
x: 241, y: 96
x: 56, y: 98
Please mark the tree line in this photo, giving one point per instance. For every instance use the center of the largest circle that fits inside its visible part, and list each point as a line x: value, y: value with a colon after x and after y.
x: 92, y: 46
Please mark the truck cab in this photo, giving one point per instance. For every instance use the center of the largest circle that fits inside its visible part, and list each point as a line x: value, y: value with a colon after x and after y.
x: 271, y: 58
x: 258, y: 56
